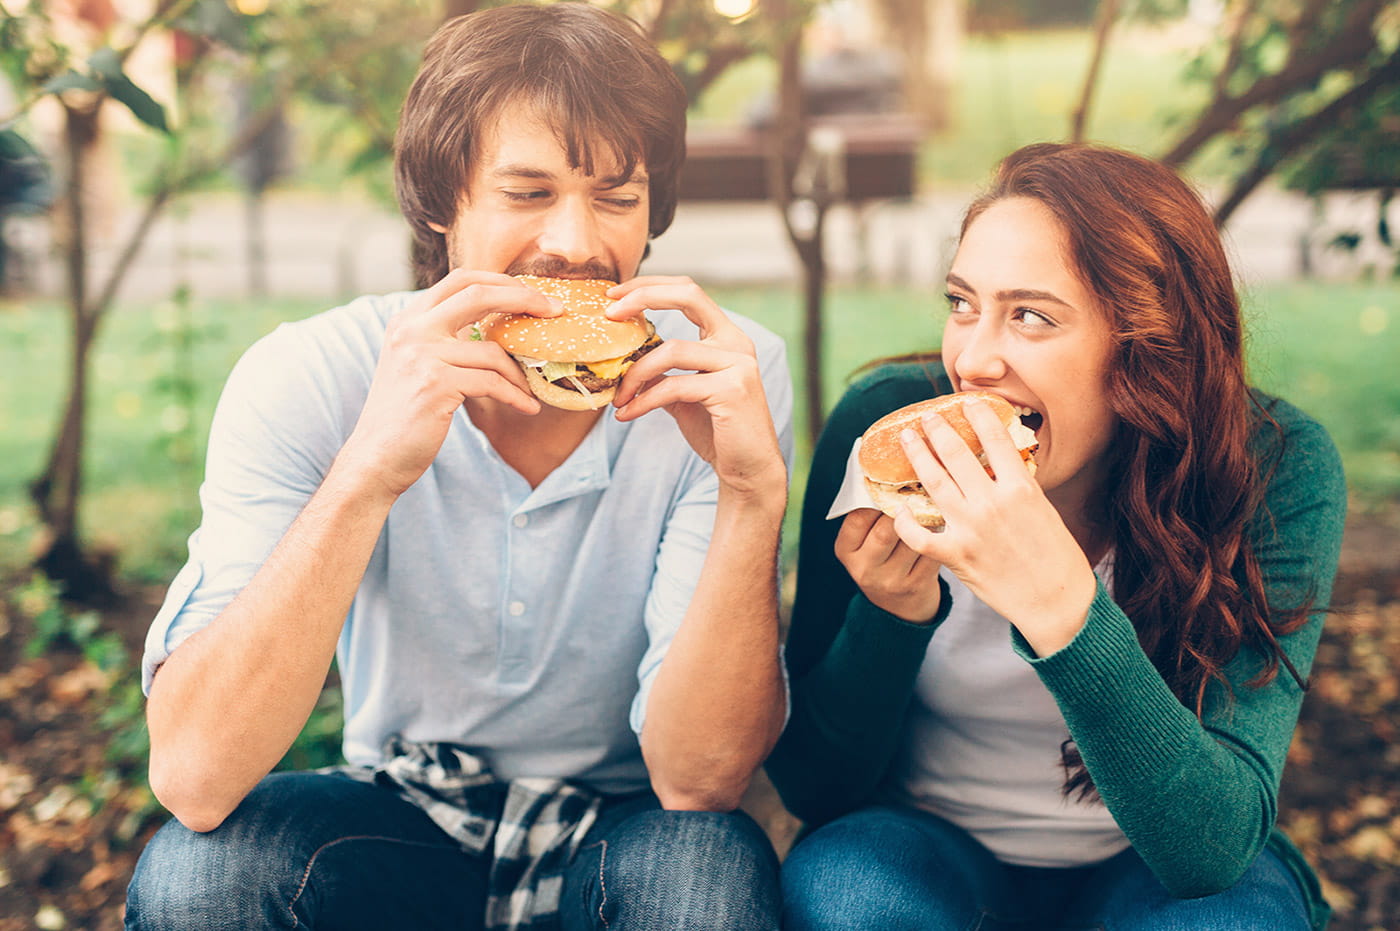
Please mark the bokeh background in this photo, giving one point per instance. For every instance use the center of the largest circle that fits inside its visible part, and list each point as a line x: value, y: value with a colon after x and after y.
x: 179, y: 176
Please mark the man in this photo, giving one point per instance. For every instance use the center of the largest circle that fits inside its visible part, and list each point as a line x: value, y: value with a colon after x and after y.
x: 556, y: 630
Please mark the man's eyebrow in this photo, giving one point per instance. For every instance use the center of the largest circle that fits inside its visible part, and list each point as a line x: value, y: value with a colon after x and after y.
x: 539, y: 174
x: 521, y: 171
x: 617, y: 181
x: 1014, y: 294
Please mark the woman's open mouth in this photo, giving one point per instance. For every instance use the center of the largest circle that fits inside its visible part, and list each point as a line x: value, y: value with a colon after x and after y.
x: 1029, y: 418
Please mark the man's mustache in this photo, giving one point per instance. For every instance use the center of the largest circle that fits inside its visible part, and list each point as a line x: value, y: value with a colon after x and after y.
x: 554, y: 267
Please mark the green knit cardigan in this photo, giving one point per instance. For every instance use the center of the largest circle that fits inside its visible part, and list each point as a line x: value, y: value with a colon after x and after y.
x: 1196, y: 798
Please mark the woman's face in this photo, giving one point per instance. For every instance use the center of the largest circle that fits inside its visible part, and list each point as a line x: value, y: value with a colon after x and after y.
x: 1022, y: 325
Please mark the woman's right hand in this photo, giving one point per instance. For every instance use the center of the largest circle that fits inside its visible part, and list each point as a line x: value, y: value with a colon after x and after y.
x: 893, y: 576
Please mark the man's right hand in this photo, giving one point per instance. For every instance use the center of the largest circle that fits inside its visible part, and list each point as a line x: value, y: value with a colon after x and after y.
x: 429, y: 365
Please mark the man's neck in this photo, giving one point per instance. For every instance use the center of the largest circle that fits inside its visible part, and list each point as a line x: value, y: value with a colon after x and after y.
x: 534, y: 445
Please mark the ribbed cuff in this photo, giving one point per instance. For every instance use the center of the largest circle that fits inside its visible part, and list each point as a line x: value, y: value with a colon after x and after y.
x: 1125, y: 720
x: 875, y: 657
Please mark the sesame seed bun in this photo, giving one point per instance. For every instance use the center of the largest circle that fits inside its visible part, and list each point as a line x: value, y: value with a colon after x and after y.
x: 889, y: 475
x: 582, y: 337
x: 581, y: 334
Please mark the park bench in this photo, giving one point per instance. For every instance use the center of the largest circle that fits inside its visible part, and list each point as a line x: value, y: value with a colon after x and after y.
x: 861, y: 161
x: 870, y: 157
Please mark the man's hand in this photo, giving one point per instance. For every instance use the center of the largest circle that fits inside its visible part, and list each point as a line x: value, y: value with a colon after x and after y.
x: 430, y: 365
x: 892, y: 576
x: 718, y: 401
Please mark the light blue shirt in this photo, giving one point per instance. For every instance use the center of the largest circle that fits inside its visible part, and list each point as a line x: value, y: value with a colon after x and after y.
x: 526, y: 624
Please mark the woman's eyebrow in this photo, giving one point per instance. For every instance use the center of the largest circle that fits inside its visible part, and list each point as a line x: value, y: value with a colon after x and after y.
x: 1014, y: 294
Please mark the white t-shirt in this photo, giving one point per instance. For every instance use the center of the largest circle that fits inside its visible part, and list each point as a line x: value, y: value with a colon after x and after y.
x: 982, y: 746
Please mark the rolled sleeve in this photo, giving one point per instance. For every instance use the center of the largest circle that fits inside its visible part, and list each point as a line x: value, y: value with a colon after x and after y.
x: 683, y: 547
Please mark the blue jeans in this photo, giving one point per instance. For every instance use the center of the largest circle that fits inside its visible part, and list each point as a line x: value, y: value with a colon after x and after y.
x: 899, y: 869
x: 308, y: 850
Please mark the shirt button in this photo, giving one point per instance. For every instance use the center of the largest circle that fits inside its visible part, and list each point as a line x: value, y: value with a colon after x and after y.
x: 520, y: 520
x: 517, y: 608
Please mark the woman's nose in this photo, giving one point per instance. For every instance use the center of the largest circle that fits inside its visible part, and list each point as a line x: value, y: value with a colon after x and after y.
x: 982, y: 357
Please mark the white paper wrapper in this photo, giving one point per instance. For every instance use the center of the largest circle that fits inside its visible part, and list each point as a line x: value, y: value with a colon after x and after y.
x: 852, y: 493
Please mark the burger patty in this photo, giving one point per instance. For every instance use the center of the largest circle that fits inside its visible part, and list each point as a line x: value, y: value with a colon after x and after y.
x: 584, y: 375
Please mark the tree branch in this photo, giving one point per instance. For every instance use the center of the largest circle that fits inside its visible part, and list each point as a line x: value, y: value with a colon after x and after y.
x: 1243, y: 13
x: 1346, y: 51
x: 1291, y: 138
x: 166, y: 11
x: 1108, y: 13
x: 716, y: 63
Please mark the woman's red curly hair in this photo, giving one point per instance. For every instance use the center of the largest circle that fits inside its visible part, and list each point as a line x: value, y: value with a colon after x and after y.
x: 1184, y: 480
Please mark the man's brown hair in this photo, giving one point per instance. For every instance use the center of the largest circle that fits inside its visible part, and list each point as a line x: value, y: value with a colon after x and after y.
x: 593, y: 74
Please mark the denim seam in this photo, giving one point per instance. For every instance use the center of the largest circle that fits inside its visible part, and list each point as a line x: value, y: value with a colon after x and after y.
x: 306, y: 874
x: 603, y: 884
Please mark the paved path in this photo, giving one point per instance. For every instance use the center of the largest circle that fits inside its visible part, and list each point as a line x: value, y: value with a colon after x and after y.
x: 324, y: 246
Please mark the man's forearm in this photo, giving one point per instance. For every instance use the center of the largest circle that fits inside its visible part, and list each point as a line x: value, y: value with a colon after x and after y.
x: 230, y: 700
x: 717, y: 705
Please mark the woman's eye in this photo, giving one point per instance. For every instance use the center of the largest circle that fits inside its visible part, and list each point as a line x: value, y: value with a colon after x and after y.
x: 957, y: 305
x: 1033, y: 317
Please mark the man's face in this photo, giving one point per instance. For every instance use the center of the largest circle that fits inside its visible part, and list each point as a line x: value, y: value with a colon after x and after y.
x: 528, y: 212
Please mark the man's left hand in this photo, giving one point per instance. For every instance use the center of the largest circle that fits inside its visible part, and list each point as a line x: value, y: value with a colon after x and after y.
x: 716, y: 398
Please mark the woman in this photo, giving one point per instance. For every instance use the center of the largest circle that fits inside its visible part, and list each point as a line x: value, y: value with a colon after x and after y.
x: 1071, y: 708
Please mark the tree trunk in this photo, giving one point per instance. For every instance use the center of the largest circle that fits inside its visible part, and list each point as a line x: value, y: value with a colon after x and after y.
x: 788, y: 142
x: 946, y: 25
x: 255, y: 243
x: 58, y: 489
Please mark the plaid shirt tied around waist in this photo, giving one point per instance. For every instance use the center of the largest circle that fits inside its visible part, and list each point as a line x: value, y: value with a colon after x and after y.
x: 531, y: 828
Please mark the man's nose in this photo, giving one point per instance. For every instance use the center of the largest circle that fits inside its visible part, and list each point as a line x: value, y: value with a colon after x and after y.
x: 572, y: 232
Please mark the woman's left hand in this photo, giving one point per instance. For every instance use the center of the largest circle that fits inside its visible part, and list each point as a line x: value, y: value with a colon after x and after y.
x: 1004, y: 539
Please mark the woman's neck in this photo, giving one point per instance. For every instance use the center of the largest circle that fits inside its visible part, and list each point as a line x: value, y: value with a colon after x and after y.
x: 1081, y: 508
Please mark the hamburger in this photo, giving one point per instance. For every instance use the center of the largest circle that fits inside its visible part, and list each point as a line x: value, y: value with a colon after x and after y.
x: 889, y: 475
x: 575, y: 360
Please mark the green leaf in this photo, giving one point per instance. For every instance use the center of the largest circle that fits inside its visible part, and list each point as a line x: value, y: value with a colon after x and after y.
x: 140, y: 103
x: 70, y: 81
x: 106, y: 64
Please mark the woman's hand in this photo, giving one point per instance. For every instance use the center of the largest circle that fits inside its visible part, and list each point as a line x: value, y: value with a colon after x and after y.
x: 893, y: 576
x: 1004, y: 539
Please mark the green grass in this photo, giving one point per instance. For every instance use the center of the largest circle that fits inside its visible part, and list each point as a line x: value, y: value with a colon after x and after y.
x: 144, y: 447
x: 1329, y: 348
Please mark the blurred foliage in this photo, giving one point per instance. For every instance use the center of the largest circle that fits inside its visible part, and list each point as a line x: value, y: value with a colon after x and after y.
x: 1307, y: 88
x: 1002, y: 15
x: 1361, y: 151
